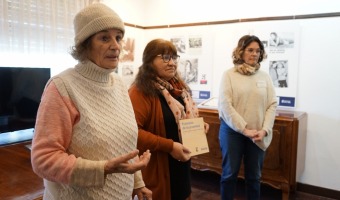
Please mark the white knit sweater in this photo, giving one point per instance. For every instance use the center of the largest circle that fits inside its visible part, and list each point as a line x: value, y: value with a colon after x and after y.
x: 248, y: 100
x: 85, y: 118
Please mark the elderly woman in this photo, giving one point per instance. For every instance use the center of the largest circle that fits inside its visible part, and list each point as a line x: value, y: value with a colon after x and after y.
x: 247, y: 104
x: 160, y: 98
x: 85, y: 139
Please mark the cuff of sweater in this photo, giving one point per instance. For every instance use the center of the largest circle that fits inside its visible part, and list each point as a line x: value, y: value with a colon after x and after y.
x: 88, y: 173
x: 138, y: 183
x: 167, y: 144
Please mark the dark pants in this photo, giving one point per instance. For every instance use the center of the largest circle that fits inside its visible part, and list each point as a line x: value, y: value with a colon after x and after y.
x: 235, y: 147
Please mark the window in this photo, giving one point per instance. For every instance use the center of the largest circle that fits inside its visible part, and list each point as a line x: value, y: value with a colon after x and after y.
x: 38, y: 26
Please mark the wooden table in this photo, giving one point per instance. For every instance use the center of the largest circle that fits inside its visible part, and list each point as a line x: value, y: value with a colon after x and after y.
x: 17, y: 179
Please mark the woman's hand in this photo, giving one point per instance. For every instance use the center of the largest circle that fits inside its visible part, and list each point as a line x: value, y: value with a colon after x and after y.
x: 251, y: 133
x: 180, y: 152
x: 254, y: 135
x: 142, y: 193
x: 260, y: 135
x: 206, y: 128
x: 121, y: 164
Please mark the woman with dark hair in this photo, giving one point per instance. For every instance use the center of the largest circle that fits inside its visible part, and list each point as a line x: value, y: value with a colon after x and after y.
x: 247, y: 105
x: 160, y: 98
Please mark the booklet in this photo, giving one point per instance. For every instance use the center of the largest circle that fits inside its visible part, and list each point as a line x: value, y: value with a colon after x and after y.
x: 192, y: 135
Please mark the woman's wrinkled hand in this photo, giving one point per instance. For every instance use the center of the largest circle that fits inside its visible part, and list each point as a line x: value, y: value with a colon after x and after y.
x: 123, y: 164
x: 143, y: 193
x: 206, y: 128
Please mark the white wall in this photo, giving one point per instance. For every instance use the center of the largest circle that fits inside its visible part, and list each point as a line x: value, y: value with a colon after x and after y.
x: 131, y: 11
x: 178, y: 11
x: 319, y: 96
x: 318, y: 90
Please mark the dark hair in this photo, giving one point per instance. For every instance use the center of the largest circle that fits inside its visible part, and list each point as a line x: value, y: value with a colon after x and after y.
x: 80, y: 51
x: 273, y: 33
x: 147, y: 74
x: 243, y: 43
x: 188, y: 61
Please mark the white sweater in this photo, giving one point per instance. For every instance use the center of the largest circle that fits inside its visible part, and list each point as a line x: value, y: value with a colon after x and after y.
x: 248, y: 100
x: 84, y: 119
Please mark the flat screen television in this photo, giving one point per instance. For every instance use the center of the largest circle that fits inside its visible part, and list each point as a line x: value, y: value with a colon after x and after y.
x: 20, y: 93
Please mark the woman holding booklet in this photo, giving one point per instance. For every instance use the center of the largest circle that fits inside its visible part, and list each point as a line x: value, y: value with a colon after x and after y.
x: 160, y: 99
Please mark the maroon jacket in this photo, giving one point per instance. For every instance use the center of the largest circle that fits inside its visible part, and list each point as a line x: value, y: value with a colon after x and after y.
x: 152, y: 136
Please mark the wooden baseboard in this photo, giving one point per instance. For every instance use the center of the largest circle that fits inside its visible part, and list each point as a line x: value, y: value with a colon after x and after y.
x: 318, y: 191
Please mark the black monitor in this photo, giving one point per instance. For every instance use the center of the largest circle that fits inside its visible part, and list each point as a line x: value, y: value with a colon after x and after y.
x: 20, y: 93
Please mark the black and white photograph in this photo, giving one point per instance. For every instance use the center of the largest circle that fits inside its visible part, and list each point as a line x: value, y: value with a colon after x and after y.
x: 127, y: 73
x: 195, y: 42
x: 179, y: 43
x: 127, y: 70
x: 278, y: 71
x: 195, y: 45
x: 281, y: 40
x: 189, y: 70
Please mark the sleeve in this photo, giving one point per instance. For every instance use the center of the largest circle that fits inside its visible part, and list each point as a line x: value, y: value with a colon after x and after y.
x: 271, y: 108
x: 225, y: 105
x: 138, y: 180
x: 85, y: 170
x: 53, y: 132
x: 144, y: 107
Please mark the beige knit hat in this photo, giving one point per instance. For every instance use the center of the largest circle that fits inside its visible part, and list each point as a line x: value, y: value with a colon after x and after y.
x: 94, y: 18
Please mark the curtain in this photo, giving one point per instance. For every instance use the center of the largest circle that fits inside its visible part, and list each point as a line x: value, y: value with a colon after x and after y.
x: 38, y: 26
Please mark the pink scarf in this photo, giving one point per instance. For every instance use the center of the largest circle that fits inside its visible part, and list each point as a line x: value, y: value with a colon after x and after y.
x: 172, y: 88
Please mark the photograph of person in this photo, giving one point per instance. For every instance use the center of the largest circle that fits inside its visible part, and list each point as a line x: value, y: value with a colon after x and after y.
x: 195, y: 42
x: 179, y: 44
x: 161, y: 98
x: 127, y: 70
x: 189, y: 70
x: 247, y: 107
x: 273, y: 73
x: 81, y: 147
x: 278, y: 71
x: 281, y: 39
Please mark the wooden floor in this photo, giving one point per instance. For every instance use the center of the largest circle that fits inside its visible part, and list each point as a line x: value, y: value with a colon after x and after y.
x: 17, y: 180
x: 205, y: 186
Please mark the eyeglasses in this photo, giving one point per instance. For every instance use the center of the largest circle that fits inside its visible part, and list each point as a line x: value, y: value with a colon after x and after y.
x: 166, y: 58
x: 251, y: 51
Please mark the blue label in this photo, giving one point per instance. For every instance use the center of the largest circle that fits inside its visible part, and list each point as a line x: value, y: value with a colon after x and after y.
x: 287, y: 101
x: 204, y: 95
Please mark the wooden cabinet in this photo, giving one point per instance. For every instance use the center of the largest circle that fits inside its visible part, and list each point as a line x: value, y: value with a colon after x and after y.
x: 284, y: 161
